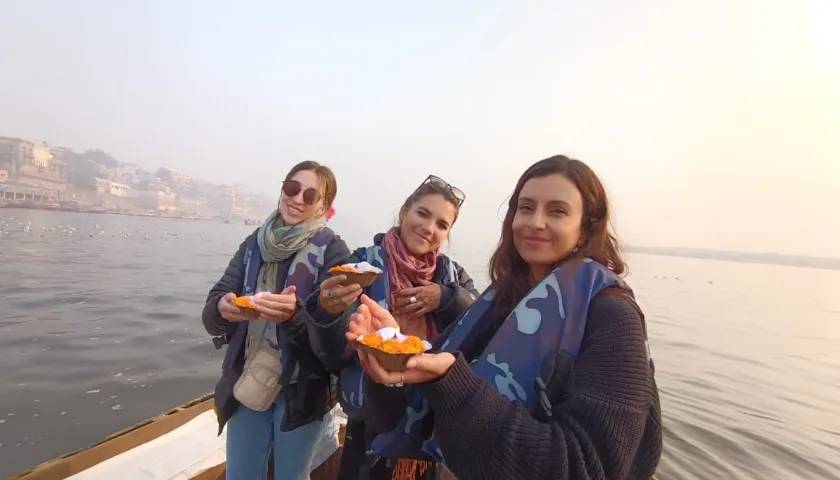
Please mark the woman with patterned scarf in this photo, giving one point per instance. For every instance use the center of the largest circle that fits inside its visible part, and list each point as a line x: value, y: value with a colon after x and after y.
x: 426, y: 290
x: 274, y: 394
x: 548, y: 374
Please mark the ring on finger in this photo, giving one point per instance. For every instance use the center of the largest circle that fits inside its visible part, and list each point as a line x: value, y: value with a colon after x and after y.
x: 401, y: 383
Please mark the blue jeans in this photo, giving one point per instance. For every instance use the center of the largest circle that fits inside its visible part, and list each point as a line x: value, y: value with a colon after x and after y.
x: 251, y: 436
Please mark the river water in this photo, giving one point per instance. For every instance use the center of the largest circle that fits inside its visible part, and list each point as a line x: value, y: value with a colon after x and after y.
x: 100, y: 328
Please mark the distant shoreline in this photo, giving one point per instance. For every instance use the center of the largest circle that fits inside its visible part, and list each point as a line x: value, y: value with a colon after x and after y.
x: 743, y: 257
x: 108, y: 212
x: 824, y: 263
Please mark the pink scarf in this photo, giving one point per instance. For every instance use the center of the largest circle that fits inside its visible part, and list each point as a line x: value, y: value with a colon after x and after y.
x: 406, y: 270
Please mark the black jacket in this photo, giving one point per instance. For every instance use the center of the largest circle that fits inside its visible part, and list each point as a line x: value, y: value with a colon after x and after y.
x: 326, y: 332
x: 314, y: 393
x: 326, y: 335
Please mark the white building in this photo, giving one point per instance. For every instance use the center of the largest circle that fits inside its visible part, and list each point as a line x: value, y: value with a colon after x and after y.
x: 119, y: 189
x: 103, y: 185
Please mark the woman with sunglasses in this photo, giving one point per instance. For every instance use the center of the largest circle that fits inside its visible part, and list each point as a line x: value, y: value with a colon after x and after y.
x: 426, y: 290
x: 274, y: 394
x: 548, y: 374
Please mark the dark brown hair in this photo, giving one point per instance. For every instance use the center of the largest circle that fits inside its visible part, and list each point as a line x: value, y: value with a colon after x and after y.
x: 431, y: 189
x: 329, y: 186
x: 510, y: 275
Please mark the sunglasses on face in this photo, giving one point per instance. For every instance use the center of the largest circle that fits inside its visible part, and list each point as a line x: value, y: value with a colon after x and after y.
x: 292, y: 187
x: 459, y: 194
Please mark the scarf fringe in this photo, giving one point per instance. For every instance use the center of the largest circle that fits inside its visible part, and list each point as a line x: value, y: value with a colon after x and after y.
x: 410, y: 469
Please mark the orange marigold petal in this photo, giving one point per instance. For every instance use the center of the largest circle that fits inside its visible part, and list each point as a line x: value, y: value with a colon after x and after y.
x: 411, y: 345
x: 244, y: 302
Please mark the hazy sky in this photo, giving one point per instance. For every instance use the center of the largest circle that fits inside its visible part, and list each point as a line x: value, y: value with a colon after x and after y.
x: 714, y: 124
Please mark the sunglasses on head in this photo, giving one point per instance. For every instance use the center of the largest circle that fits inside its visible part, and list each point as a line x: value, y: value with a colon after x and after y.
x: 292, y: 187
x: 459, y: 194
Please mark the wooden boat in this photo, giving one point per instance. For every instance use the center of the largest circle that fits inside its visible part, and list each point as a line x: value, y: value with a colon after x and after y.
x: 180, y: 444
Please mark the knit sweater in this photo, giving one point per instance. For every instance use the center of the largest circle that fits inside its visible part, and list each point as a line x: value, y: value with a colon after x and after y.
x: 606, y: 419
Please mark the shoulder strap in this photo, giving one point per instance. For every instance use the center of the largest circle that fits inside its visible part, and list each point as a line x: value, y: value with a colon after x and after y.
x: 252, y: 261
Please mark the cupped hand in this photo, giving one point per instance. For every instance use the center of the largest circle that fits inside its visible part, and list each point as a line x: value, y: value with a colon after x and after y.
x: 230, y: 312
x: 277, y: 307
x: 335, y: 297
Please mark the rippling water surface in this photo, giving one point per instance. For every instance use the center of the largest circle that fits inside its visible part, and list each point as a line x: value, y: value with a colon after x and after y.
x: 100, y: 328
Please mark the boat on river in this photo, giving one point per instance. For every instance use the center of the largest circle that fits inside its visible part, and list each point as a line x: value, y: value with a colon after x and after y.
x: 180, y: 444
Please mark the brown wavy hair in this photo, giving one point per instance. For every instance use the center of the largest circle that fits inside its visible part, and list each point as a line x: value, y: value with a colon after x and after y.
x: 329, y: 185
x: 510, y: 275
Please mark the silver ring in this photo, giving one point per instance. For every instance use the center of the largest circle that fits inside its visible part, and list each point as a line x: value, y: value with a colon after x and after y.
x: 390, y: 385
x: 412, y: 299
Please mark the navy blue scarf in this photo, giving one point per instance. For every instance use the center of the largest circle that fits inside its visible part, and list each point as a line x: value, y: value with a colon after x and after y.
x: 549, y: 319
